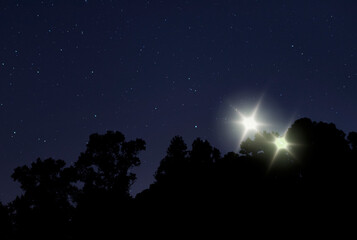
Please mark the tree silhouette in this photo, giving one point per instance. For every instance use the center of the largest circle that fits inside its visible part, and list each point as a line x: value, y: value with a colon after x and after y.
x: 183, y: 183
x: 352, y: 140
x: 184, y: 171
x: 5, y: 222
x: 201, y: 180
x: 323, y: 154
x: 91, y: 198
x: 106, y: 162
x: 104, y: 171
x: 44, y: 207
x: 273, y: 169
x: 175, y: 163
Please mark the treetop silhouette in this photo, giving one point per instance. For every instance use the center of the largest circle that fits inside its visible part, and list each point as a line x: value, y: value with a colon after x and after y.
x: 92, y: 196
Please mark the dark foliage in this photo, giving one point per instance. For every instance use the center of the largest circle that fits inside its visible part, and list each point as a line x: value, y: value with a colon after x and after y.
x: 44, y: 207
x: 315, y: 176
x: 104, y: 202
x: 5, y: 222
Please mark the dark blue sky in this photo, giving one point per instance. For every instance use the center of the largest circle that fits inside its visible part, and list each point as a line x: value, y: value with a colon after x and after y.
x: 156, y: 69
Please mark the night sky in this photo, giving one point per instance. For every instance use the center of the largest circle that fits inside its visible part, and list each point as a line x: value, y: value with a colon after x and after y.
x: 156, y: 69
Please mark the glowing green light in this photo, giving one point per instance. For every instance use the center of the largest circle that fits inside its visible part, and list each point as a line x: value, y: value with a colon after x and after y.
x: 281, y: 143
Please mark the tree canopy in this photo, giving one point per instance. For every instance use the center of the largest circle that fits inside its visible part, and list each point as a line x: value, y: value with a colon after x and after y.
x: 91, y: 197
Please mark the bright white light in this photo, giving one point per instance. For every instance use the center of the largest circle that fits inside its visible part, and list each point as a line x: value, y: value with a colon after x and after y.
x: 249, y: 123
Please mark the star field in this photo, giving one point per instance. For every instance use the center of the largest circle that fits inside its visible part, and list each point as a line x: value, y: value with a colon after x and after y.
x: 156, y: 69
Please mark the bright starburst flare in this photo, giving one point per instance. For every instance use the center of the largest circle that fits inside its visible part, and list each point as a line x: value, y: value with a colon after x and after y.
x: 281, y: 143
x: 249, y: 122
